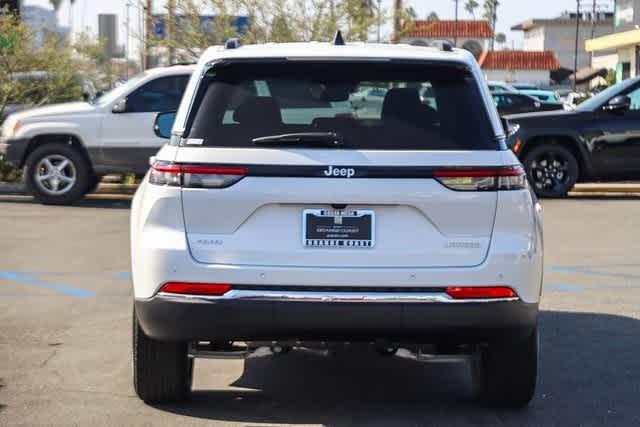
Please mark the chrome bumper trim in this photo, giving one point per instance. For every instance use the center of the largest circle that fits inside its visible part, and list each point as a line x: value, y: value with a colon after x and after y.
x: 341, y: 297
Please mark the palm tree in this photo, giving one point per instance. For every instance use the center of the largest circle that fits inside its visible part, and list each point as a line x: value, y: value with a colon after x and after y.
x: 470, y: 6
x: 55, y: 4
x: 491, y: 15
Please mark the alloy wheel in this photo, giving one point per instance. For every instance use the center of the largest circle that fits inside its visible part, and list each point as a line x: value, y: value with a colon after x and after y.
x: 55, y: 174
x: 550, y: 171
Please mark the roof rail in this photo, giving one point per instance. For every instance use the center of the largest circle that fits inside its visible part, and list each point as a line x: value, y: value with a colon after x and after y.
x: 173, y: 64
x: 338, y: 40
x: 232, y: 43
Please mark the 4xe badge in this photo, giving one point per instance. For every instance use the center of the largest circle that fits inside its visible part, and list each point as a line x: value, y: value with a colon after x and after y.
x: 341, y: 172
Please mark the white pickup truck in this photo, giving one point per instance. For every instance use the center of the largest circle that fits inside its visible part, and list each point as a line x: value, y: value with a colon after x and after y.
x: 65, y: 149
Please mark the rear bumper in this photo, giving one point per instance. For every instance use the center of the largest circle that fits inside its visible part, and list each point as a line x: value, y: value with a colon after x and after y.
x: 171, y: 318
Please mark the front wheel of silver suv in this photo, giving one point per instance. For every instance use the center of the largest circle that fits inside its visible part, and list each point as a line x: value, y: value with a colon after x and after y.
x: 505, y: 374
x: 56, y: 174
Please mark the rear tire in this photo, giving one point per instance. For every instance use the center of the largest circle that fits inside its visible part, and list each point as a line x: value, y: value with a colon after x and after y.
x: 552, y: 170
x: 505, y: 374
x: 162, y: 371
x: 56, y: 174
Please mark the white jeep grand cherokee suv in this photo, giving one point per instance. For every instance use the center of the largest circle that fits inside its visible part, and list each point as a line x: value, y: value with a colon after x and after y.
x: 280, y: 215
x: 65, y: 148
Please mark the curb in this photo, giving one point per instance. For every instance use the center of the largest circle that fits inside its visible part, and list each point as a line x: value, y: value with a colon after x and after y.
x: 614, y: 187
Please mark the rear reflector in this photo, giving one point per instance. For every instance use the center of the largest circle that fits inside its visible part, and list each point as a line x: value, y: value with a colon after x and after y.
x: 483, y: 179
x: 210, y: 289
x: 480, y: 292
x: 197, y: 176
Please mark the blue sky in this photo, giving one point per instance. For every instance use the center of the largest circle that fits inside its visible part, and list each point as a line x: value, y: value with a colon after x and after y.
x: 510, y: 12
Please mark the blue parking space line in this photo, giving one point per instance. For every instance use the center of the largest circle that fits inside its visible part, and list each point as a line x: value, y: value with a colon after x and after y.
x: 590, y: 272
x: 563, y: 287
x: 30, y: 281
x: 572, y: 287
x: 122, y: 275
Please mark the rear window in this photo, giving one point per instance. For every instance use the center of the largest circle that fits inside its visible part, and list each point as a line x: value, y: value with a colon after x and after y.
x: 374, y: 106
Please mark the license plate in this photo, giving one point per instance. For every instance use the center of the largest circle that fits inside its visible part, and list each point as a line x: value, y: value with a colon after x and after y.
x: 340, y: 229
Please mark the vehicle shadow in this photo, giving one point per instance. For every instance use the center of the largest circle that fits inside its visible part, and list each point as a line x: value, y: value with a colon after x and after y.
x: 591, y: 197
x: 590, y: 375
x: 99, y: 202
x: 2, y: 405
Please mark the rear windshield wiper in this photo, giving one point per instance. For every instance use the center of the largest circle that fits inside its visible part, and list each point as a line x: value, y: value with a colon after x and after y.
x: 320, y: 138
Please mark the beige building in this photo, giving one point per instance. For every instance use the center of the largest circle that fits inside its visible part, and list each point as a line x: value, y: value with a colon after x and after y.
x: 623, y: 41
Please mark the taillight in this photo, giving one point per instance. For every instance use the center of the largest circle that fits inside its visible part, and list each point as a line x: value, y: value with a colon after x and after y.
x: 483, y: 179
x: 480, y: 292
x: 186, y: 288
x: 195, y: 176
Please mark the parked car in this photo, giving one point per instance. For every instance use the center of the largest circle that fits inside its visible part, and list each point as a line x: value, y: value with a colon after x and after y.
x: 542, y: 95
x: 525, y: 86
x: 513, y: 103
x: 500, y: 87
x: 406, y: 230
x: 66, y: 148
x: 599, y: 140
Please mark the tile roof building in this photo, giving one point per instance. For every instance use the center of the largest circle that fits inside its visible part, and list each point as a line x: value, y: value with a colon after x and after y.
x: 519, y: 65
x: 471, y: 35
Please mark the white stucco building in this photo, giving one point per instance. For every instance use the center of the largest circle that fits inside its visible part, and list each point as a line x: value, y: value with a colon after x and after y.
x: 559, y: 35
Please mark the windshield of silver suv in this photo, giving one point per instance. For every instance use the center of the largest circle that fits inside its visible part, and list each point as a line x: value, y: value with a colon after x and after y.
x: 375, y: 106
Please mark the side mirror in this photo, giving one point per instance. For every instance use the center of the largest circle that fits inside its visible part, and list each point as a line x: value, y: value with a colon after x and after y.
x: 618, y: 103
x: 164, y: 123
x: 120, y: 106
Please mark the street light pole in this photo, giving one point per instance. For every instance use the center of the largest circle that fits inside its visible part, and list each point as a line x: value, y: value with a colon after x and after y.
x: 575, y: 53
x: 455, y: 34
x: 126, y: 43
x: 148, y: 33
x: 379, y: 18
x: 169, y: 25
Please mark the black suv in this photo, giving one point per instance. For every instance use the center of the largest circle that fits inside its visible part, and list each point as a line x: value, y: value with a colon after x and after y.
x: 598, y: 141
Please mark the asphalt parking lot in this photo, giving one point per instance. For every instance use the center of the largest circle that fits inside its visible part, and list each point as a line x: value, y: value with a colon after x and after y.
x: 65, y: 342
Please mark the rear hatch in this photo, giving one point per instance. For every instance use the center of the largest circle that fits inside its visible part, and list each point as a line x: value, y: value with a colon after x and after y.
x: 402, y: 182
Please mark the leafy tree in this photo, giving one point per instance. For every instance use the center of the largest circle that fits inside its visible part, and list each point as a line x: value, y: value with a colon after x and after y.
x: 470, y: 6
x: 34, y: 75
x: 432, y: 16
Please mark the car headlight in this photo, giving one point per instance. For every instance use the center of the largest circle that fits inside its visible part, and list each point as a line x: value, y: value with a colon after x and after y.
x: 9, y: 128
